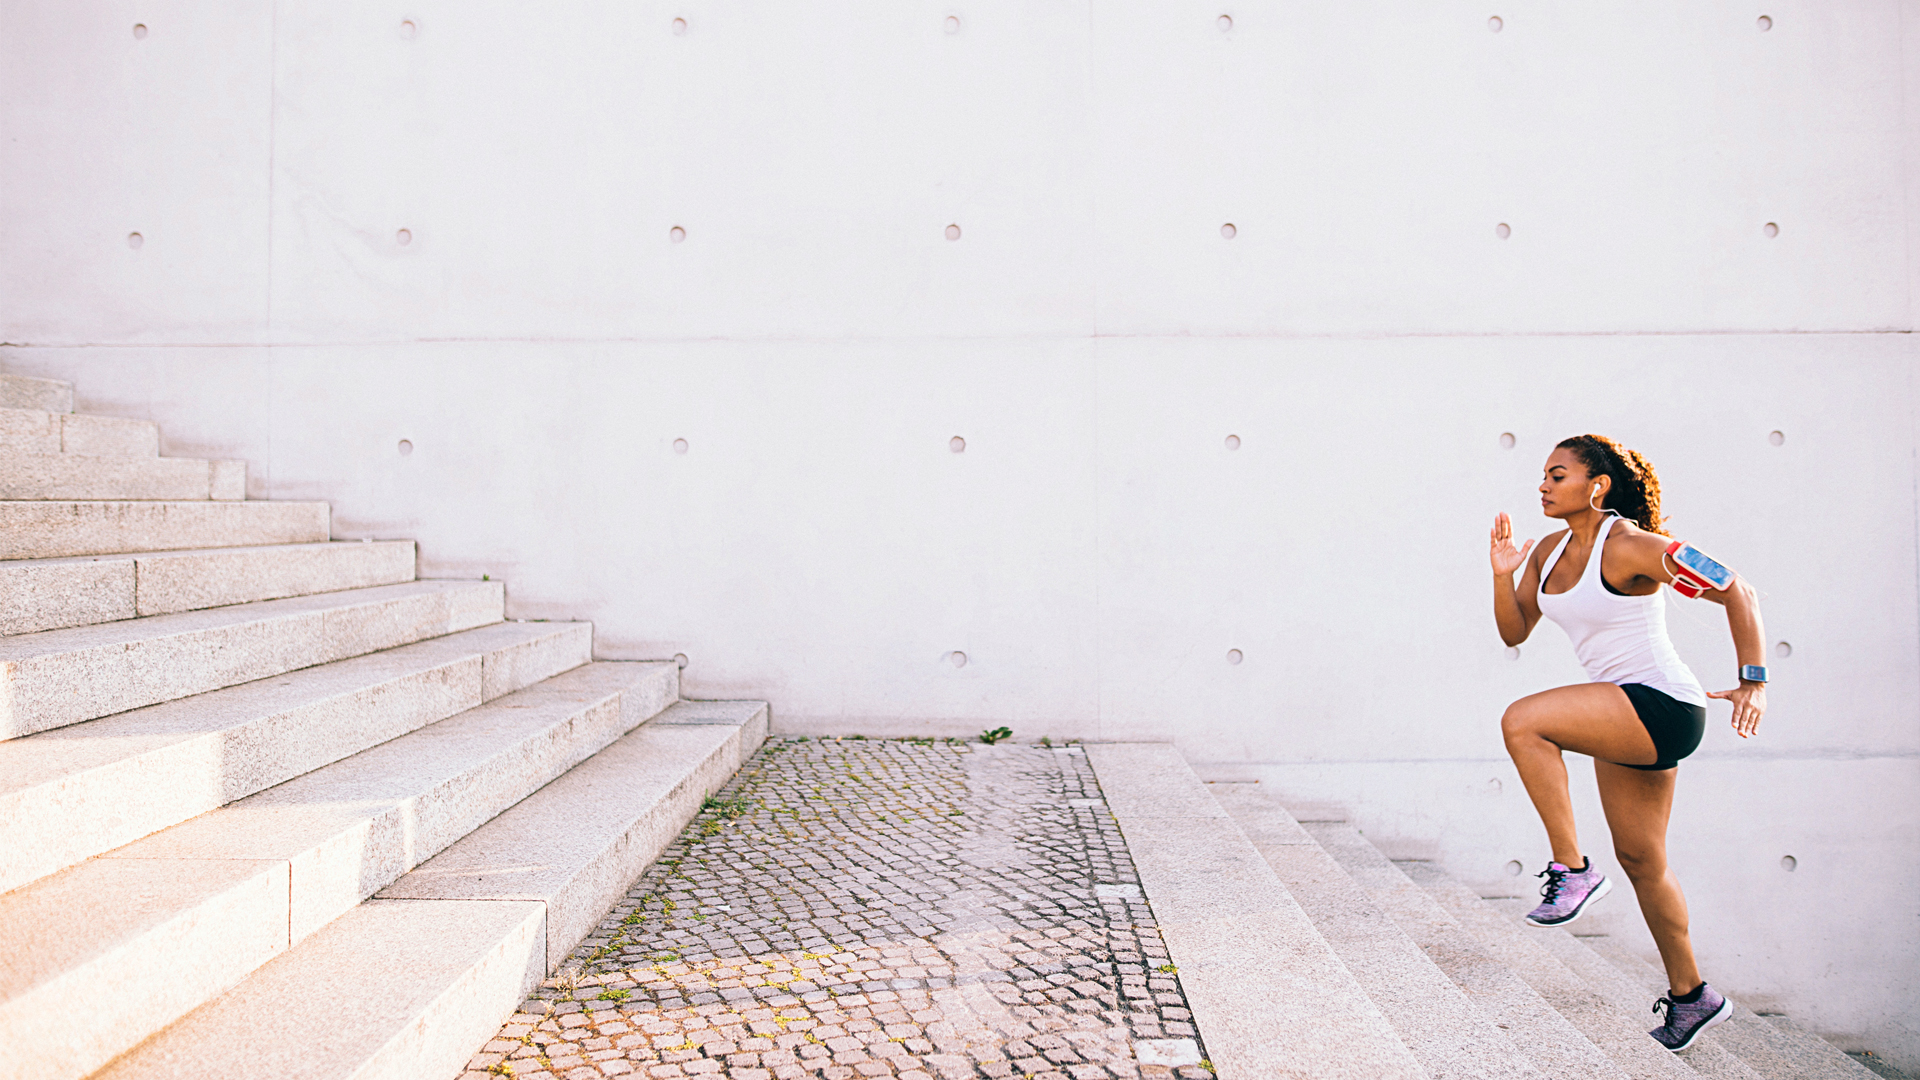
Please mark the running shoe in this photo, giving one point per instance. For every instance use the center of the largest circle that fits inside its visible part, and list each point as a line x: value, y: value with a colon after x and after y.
x: 1687, y: 1019
x: 1567, y: 893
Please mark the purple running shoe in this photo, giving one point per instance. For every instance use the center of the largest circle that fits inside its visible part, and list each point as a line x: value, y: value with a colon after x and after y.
x: 1567, y: 893
x: 1687, y: 1019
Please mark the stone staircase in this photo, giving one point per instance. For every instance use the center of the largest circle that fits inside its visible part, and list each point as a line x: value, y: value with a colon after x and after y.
x: 270, y: 805
x: 1432, y: 980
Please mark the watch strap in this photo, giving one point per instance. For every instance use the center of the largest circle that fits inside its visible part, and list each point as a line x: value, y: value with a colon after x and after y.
x: 1753, y: 673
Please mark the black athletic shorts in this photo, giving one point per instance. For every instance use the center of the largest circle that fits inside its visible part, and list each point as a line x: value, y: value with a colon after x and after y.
x: 1676, y: 726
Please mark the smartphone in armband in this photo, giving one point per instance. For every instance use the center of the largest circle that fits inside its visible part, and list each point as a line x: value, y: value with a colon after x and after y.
x: 1694, y: 573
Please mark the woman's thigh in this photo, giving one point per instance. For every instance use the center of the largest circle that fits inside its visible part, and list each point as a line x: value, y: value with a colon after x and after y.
x: 1591, y: 718
x: 1638, y: 804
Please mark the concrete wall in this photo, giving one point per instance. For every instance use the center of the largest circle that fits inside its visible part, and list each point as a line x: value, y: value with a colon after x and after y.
x: 541, y: 341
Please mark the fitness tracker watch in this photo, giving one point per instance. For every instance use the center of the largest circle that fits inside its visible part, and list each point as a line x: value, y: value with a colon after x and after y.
x: 1753, y: 673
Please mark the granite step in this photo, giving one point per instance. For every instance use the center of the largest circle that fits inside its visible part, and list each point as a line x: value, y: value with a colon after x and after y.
x: 53, y: 594
x: 1552, y: 1043
x: 54, y: 529
x: 170, y: 921
x: 1707, y: 1056
x: 71, y: 477
x: 1451, y: 1038
x: 59, y: 677
x: 413, y: 982
x: 27, y: 392
x: 35, y: 431
x: 1776, y: 1050
x: 77, y: 791
x: 1269, y: 996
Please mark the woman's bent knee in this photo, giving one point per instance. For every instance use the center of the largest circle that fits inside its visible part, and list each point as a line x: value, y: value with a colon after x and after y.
x: 1641, y: 865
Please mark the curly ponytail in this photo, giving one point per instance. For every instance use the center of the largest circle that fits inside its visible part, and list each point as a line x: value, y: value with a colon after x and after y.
x: 1635, y: 494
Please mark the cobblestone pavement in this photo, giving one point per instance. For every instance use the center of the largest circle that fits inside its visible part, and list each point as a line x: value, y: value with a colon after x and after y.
x: 866, y: 908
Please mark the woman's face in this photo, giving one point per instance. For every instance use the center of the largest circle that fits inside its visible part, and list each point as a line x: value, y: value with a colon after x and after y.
x: 1565, y: 488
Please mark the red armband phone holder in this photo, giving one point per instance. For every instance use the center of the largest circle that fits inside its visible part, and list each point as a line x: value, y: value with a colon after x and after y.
x: 1693, y: 572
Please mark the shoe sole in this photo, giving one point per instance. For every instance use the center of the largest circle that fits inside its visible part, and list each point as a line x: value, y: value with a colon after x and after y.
x: 1719, y: 1016
x: 1600, y: 890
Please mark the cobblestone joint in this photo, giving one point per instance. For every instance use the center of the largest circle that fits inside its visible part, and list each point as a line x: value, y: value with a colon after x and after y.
x: 851, y: 908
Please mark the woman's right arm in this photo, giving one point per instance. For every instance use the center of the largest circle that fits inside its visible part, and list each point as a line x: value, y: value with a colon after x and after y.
x: 1515, y: 610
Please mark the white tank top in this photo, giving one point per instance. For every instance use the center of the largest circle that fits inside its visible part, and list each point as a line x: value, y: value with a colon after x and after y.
x: 1619, y: 639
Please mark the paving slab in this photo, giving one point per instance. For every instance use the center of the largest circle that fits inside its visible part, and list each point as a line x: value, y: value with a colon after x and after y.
x: 53, y: 594
x: 27, y: 392
x: 874, y: 907
x: 78, y: 791
x: 67, y: 477
x: 52, y: 529
x: 1552, y: 1042
x: 184, y: 929
x: 1273, y: 997
x: 394, y: 990
x: 1450, y: 1036
x: 579, y: 843
x: 1775, y: 1051
x: 60, y: 677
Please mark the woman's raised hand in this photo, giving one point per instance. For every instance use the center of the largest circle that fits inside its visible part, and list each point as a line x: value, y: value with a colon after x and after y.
x: 1506, y: 558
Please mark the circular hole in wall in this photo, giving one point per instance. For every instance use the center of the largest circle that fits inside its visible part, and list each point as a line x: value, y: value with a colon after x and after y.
x: 679, y: 27
x: 1224, y: 22
x: 1503, y: 230
x: 1772, y: 229
x: 1764, y: 22
x: 679, y: 446
x: 680, y: 658
x: 1506, y: 440
x: 406, y: 447
x: 1234, y: 656
x: 1776, y: 438
x: 1782, y: 649
x: 1513, y: 652
x: 676, y: 234
x: 953, y: 24
x: 1514, y: 868
x: 957, y: 444
x: 1233, y: 442
x: 1789, y: 863
x: 139, y: 31
x: 407, y: 29
x: 953, y: 232
x: 1496, y: 24
x: 403, y: 237
x: 134, y: 240
x: 957, y: 658
x: 1228, y: 232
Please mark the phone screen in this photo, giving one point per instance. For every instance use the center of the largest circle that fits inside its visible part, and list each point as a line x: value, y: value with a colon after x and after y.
x: 1695, y: 560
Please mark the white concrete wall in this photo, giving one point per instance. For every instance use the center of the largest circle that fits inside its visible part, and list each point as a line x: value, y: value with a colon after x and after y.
x: 541, y: 341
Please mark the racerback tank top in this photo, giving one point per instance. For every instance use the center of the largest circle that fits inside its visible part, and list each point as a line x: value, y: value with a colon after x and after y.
x: 1619, y: 639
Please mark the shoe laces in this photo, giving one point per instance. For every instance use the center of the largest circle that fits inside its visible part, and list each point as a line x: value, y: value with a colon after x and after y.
x: 1668, y: 1004
x: 1556, y: 880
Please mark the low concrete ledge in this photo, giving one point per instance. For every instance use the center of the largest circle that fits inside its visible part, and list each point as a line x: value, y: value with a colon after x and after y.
x: 1270, y: 998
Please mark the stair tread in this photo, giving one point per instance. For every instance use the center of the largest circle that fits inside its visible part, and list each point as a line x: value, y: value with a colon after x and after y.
x: 329, y: 839
x: 49, y: 528
x: 83, y: 590
x: 393, y: 990
x: 1552, y: 1042
x: 1775, y: 1051
x: 1449, y: 1035
x: 59, y: 677
x: 44, y: 432
x: 26, y: 475
x: 30, y: 392
x: 76, y: 791
x: 1268, y: 994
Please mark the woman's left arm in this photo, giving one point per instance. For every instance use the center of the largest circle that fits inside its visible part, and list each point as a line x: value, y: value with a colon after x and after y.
x: 1648, y: 558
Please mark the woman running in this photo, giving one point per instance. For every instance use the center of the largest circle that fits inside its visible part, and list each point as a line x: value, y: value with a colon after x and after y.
x: 1600, y: 580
